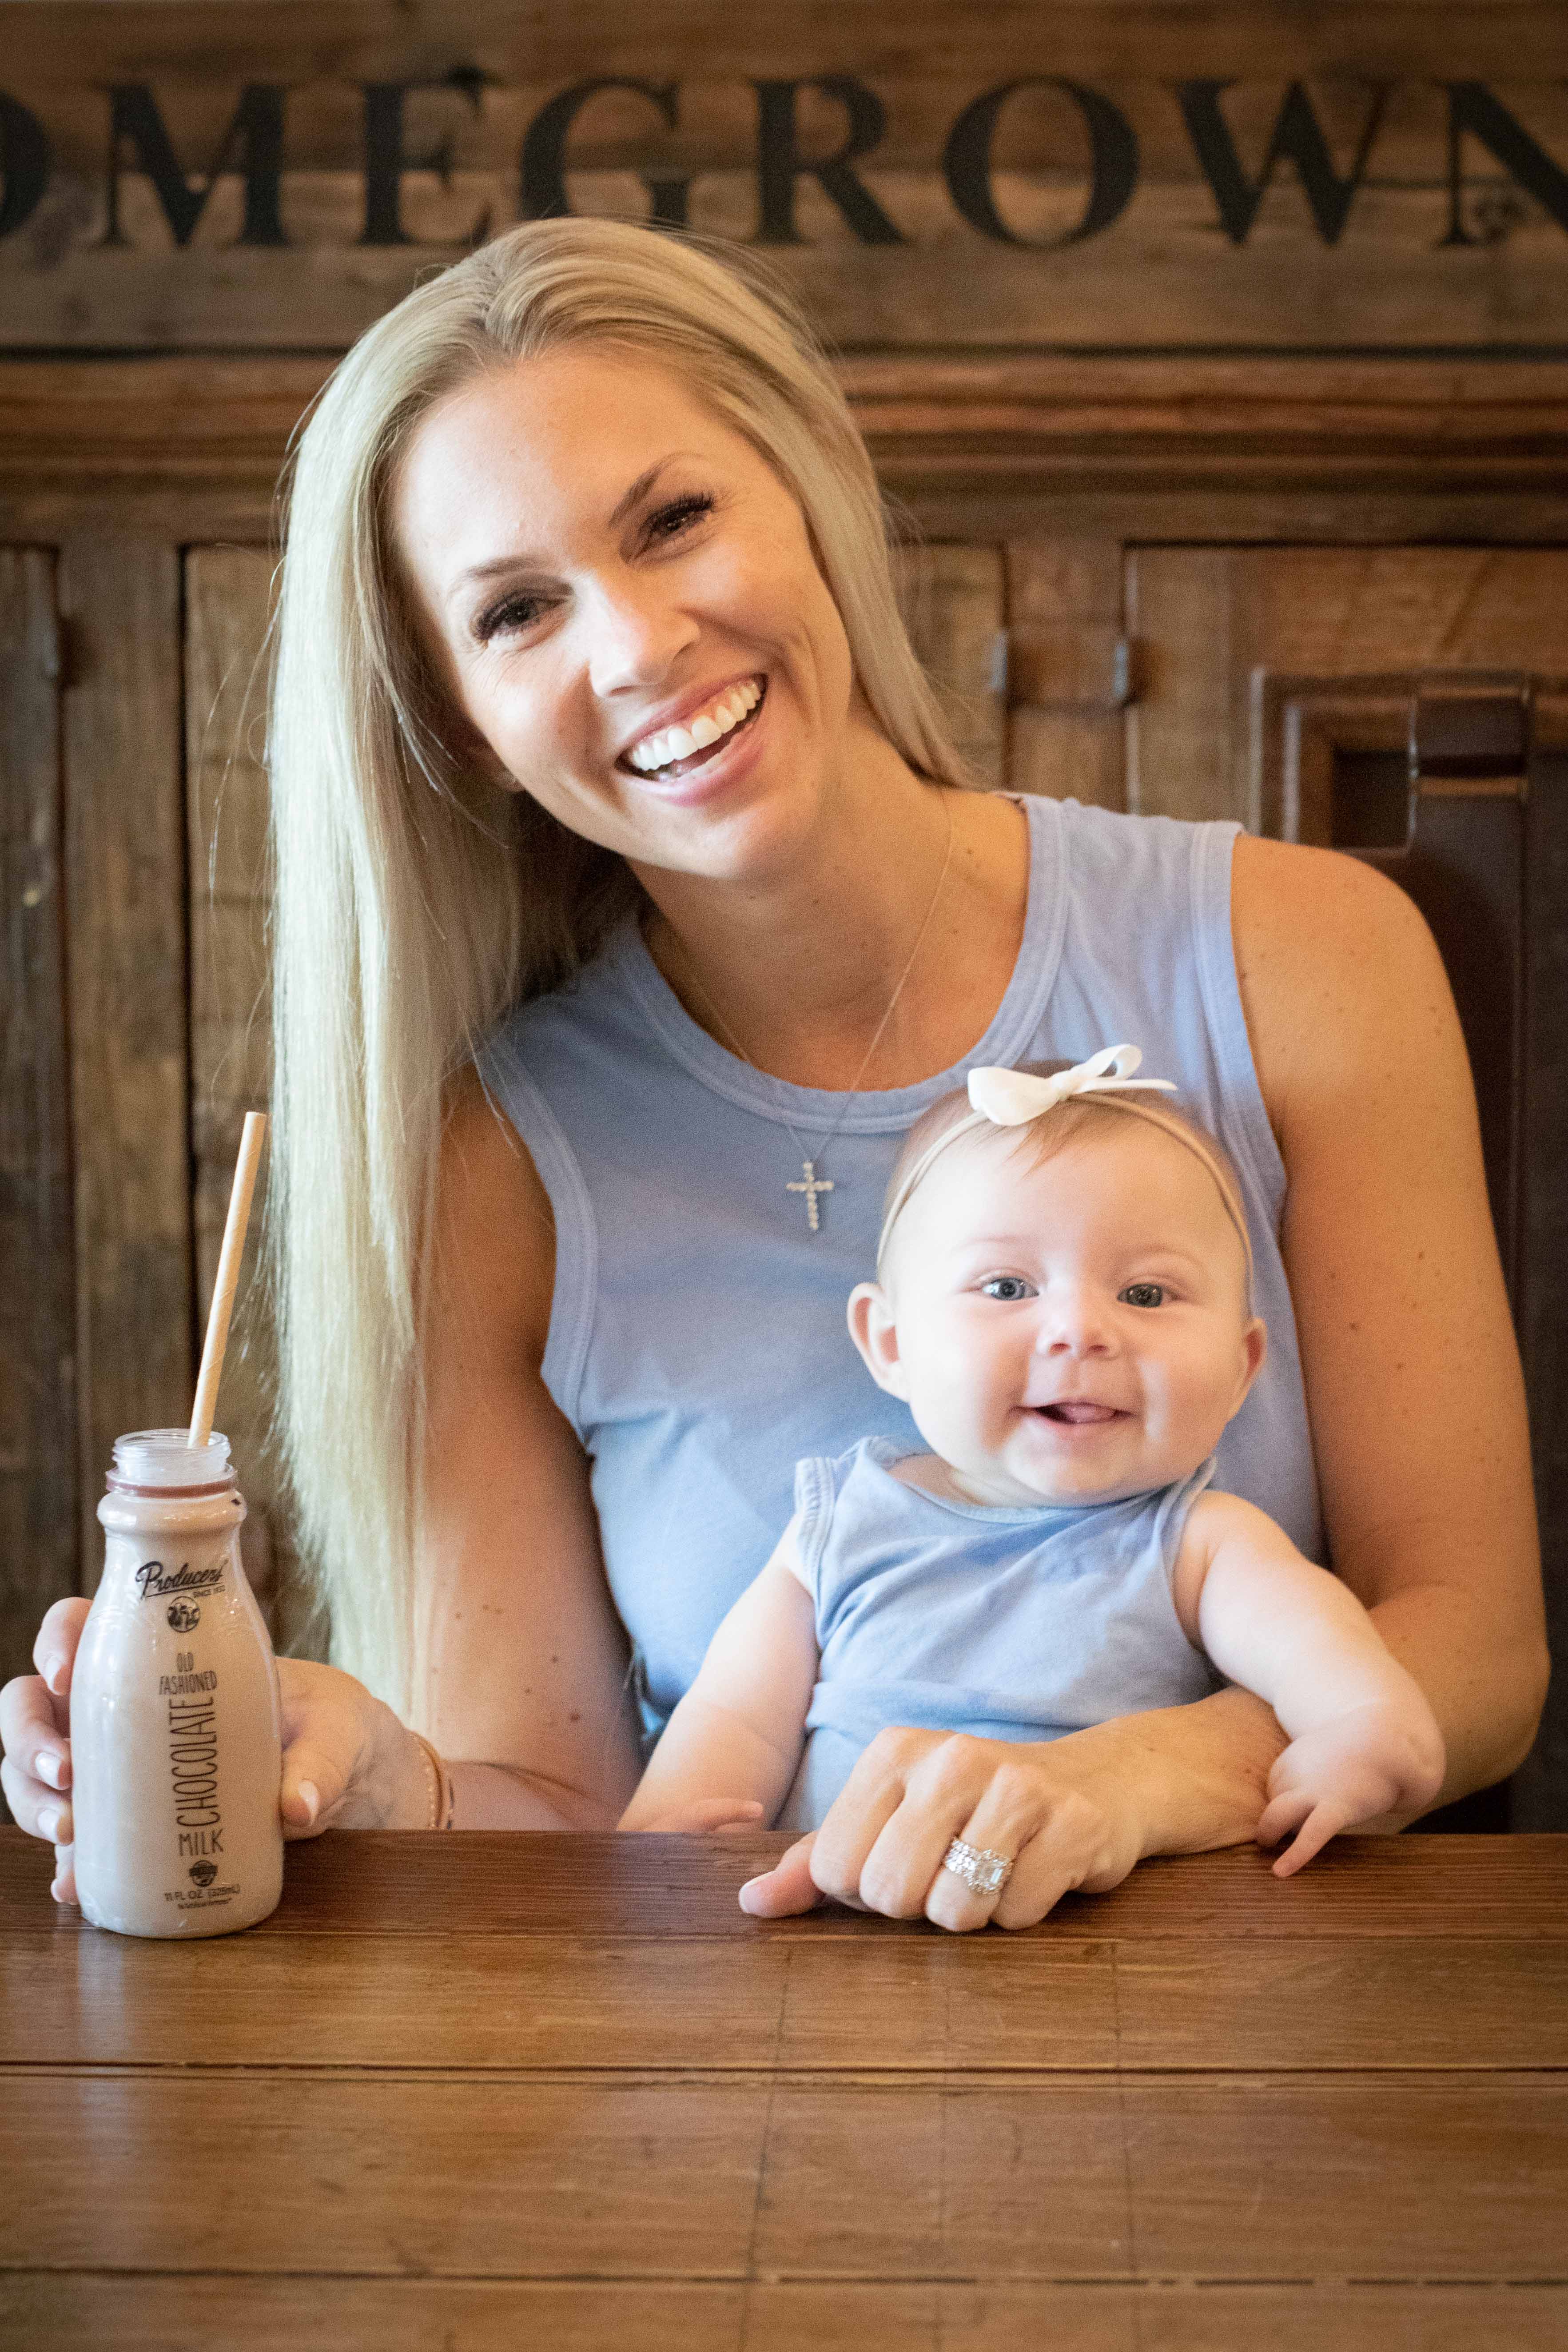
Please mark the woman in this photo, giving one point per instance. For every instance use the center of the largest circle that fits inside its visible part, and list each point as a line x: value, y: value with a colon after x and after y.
x: 591, y: 701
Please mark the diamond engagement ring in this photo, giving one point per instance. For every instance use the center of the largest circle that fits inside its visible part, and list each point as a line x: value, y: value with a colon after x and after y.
x: 983, y: 1871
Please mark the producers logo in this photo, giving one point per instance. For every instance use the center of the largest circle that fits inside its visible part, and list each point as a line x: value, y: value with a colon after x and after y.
x: 184, y: 1616
x: 155, y: 1582
x: 204, y: 1873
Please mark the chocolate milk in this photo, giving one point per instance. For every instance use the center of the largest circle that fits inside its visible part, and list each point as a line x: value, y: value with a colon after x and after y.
x: 175, y: 1720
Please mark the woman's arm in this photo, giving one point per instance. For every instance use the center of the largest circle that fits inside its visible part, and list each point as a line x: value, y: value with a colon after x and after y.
x: 1413, y: 1377
x: 1417, y: 1412
x: 521, y: 1674
x: 738, y: 1731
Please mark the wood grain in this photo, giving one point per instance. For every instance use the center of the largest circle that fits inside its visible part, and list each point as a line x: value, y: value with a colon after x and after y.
x: 126, y: 931
x: 966, y: 2179
x: 84, y: 2313
x: 1064, y: 607
x: 227, y: 599
x: 952, y: 598
x: 379, y: 1883
x: 39, y: 1524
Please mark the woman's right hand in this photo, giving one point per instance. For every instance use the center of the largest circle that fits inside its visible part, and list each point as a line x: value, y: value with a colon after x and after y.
x: 348, y: 1762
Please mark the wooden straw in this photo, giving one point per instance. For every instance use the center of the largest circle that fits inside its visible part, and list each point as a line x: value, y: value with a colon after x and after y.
x: 233, y: 1249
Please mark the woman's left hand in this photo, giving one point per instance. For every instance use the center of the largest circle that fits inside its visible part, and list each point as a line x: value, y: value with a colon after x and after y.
x: 1061, y: 1822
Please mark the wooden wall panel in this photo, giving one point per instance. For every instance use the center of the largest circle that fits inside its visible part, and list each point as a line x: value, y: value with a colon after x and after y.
x: 39, y: 1524
x: 1208, y: 622
x: 127, y: 989
x: 227, y: 598
x: 953, y: 597
x: 1065, y: 728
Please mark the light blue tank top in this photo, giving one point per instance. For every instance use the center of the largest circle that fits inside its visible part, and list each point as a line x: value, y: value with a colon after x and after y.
x: 1009, y: 1624
x: 697, y: 1341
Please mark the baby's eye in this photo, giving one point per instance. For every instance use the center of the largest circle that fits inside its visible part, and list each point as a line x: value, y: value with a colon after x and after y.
x: 1008, y: 1287
x: 1144, y: 1294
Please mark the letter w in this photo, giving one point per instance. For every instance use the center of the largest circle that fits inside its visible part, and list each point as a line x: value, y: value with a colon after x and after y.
x: 256, y: 131
x: 1297, y: 134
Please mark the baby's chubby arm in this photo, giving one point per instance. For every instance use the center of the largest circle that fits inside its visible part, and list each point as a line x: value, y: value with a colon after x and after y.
x: 1363, y: 1740
x: 731, y: 1749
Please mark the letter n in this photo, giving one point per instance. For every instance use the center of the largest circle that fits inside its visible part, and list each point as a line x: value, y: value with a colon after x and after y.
x: 1473, y: 107
x: 255, y: 130
x: 1297, y: 134
x: 24, y: 164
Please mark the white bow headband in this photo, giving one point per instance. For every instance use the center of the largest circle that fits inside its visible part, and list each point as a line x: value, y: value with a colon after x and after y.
x: 1003, y: 1097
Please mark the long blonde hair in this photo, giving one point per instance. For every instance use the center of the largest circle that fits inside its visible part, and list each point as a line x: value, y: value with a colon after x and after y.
x: 415, y: 900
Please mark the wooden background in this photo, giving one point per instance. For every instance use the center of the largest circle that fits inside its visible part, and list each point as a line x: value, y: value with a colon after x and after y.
x: 1153, y: 470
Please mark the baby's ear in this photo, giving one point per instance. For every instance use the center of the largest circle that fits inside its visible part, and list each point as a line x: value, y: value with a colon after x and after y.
x: 875, y: 1334
x: 1254, y: 1353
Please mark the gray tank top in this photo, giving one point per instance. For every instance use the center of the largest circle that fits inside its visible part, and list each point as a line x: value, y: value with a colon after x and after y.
x: 1005, y: 1624
x: 698, y: 1343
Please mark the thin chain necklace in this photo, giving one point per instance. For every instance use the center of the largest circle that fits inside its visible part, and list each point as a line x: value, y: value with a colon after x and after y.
x: 810, y: 1184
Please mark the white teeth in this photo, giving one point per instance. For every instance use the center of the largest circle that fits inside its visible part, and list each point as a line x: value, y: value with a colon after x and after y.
x: 679, y: 742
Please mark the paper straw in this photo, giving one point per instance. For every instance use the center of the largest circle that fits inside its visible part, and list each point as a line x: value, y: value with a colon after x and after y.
x: 233, y: 1250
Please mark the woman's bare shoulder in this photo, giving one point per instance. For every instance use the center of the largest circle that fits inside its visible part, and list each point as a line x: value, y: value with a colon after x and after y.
x: 1341, y: 979
x: 493, y: 1257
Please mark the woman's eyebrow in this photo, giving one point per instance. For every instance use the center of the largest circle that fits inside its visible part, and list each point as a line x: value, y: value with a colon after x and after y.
x: 519, y: 558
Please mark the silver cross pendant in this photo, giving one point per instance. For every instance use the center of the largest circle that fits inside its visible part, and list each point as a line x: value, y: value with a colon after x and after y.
x: 813, y: 1185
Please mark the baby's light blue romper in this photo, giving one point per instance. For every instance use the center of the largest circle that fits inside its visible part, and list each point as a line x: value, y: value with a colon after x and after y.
x: 1009, y: 1624
x: 696, y: 1342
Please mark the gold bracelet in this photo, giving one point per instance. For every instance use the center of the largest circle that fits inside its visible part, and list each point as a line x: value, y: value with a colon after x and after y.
x: 443, y: 1796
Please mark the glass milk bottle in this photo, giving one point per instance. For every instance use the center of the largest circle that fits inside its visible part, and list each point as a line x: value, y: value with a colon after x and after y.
x: 175, y: 1719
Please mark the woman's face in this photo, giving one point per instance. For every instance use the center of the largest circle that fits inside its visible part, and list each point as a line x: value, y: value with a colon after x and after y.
x: 597, y: 562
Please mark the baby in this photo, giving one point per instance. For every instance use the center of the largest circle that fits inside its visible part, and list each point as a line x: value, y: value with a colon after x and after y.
x: 1063, y: 1301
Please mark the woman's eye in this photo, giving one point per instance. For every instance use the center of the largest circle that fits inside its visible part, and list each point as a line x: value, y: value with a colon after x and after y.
x: 1144, y: 1294
x: 511, y: 613
x: 672, y: 519
x: 1008, y: 1287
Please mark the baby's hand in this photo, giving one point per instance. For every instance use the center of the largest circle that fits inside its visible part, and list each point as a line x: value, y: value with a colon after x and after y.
x: 1380, y: 1759
x: 703, y: 1814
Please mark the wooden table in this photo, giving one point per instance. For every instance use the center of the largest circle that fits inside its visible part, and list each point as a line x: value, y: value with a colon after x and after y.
x: 482, y: 2091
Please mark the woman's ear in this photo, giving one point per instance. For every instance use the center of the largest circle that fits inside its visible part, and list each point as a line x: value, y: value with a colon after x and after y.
x: 875, y: 1334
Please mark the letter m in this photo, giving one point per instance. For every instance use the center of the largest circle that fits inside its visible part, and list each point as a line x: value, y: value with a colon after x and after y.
x: 1297, y: 134
x: 252, y: 144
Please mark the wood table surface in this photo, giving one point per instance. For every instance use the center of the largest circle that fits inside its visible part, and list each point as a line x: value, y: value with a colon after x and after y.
x: 489, y: 2091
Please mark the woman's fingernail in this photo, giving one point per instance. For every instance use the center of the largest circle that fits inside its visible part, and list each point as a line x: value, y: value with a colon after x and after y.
x: 54, y: 1671
x: 50, y: 1820
x: 311, y: 1797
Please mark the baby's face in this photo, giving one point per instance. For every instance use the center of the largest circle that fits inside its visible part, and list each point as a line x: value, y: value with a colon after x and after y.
x: 1066, y: 1331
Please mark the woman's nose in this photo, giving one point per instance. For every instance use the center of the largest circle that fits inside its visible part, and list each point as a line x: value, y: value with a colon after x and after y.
x: 635, y: 635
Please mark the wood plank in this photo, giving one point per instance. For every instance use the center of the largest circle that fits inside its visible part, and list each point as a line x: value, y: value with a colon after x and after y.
x: 39, y: 1522
x: 126, y: 934
x: 227, y: 599
x: 82, y: 2312
x: 1342, y: 2004
x: 507, y: 1883
x: 1066, y: 588
x: 954, y: 600
x: 1383, y: 2177
x: 907, y: 2004
x: 484, y: 2001
x: 321, y: 2173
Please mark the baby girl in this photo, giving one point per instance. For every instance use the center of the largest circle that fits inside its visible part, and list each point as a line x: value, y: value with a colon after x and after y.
x: 1063, y: 1301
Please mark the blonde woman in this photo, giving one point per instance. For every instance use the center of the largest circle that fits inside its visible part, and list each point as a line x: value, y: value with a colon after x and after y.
x: 632, y: 904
